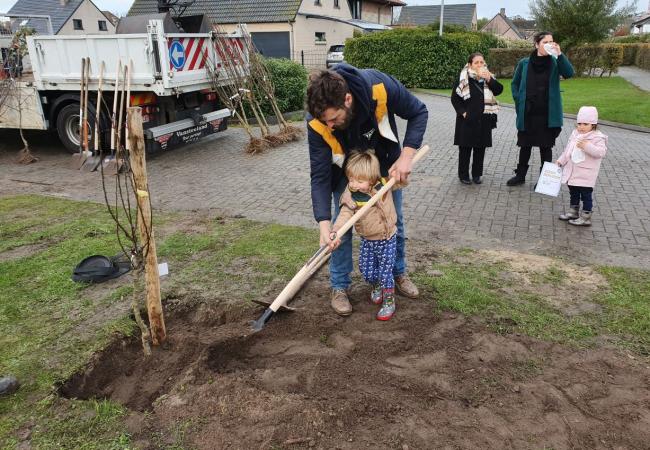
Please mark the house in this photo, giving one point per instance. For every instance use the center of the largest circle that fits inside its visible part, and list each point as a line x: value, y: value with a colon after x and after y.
x: 112, y: 18
x: 501, y: 25
x: 641, y: 23
x: 66, y: 17
x: 461, y: 14
x: 527, y: 27
x: 302, y: 30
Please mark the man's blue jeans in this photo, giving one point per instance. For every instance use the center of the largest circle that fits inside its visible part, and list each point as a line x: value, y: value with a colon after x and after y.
x: 341, y: 261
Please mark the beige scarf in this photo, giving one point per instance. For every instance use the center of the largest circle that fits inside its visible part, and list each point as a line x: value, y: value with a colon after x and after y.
x: 491, y: 104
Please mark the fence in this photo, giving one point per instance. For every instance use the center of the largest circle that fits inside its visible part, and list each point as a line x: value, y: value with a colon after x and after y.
x: 311, y: 59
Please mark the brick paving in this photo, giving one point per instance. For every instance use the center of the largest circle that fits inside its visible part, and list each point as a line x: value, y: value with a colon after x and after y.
x: 274, y: 187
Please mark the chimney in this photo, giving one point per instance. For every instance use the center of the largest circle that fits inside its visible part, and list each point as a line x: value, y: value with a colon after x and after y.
x: 63, y: 2
x: 502, y: 12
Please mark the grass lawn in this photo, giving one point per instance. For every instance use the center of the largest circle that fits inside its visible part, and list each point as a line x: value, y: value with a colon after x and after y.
x: 616, y: 99
x: 50, y: 326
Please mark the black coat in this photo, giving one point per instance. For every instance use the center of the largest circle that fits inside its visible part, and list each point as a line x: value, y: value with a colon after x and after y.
x: 474, y: 130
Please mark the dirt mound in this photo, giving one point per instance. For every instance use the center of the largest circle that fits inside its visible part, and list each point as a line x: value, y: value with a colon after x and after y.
x: 311, y: 379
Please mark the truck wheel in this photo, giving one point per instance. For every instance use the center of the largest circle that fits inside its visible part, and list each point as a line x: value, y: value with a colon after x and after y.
x: 67, y: 126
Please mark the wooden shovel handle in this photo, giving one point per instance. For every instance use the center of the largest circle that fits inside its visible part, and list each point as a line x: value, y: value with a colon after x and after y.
x: 375, y: 198
x: 309, y: 268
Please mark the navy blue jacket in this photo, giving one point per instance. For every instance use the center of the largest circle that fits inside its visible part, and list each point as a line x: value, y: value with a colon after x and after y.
x: 362, y: 133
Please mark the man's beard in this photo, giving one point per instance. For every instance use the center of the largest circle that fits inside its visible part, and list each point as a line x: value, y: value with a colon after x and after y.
x: 349, y: 115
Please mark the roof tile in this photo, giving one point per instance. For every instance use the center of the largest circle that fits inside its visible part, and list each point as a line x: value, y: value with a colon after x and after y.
x: 232, y: 11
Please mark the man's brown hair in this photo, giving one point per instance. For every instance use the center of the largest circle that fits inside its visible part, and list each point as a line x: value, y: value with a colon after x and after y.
x: 326, y: 89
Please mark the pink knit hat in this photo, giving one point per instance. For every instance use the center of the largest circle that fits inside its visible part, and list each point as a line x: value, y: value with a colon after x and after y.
x: 587, y: 114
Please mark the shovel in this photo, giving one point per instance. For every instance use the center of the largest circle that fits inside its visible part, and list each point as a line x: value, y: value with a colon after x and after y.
x: 109, y: 165
x: 84, y: 122
x: 314, y: 263
x: 78, y: 159
x: 91, y: 163
x: 309, y: 268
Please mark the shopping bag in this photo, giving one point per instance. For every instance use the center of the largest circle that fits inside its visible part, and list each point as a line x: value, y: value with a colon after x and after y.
x: 550, y: 178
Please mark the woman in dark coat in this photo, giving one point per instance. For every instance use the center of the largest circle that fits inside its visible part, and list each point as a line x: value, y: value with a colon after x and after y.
x: 536, y: 92
x: 476, y: 115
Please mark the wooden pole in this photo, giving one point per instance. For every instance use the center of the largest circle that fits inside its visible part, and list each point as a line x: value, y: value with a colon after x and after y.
x: 139, y: 173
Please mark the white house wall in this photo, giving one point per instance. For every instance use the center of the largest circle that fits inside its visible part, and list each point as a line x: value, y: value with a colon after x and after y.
x: 326, y: 8
x: 90, y: 17
x: 305, y: 39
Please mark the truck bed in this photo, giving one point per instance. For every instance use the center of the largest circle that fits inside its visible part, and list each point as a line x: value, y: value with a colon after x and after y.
x: 163, y: 63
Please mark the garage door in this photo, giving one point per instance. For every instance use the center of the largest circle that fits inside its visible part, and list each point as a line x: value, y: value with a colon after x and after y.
x: 272, y: 44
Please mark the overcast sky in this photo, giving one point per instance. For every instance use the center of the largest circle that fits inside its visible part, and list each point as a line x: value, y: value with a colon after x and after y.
x: 486, y: 8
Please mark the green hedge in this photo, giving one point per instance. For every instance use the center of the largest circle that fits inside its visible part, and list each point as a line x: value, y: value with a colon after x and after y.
x: 587, y: 59
x: 643, y: 57
x: 631, y: 38
x: 418, y: 57
x: 502, y: 61
x: 290, y: 80
x: 629, y: 53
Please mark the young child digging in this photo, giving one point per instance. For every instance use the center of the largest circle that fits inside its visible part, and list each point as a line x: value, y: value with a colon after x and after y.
x: 377, y: 228
x: 581, y: 162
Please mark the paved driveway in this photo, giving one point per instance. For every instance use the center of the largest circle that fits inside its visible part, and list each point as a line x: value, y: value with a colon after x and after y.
x: 274, y: 187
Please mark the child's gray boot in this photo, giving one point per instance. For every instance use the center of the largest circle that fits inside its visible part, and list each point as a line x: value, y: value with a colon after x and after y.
x: 573, y: 213
x: 583, y: 221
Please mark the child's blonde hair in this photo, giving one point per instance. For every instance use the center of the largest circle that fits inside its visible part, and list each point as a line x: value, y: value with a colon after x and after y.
x: 363, y: 166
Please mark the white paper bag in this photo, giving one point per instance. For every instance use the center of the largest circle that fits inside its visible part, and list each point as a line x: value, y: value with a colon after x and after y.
x: 550, y: 179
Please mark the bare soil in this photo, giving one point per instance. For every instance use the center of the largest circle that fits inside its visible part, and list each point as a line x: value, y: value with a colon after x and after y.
x: 312, y: 379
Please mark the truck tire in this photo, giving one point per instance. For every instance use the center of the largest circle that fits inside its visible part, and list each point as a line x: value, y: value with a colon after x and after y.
x: 67, y: 127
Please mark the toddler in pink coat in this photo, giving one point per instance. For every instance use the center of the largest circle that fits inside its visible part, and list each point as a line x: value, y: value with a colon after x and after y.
x: 581, y: 163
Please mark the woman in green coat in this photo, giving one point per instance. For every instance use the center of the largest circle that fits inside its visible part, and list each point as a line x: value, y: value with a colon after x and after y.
x: 536, y: 92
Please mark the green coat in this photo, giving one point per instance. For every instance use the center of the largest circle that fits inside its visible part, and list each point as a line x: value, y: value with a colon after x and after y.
x: 559, y: 66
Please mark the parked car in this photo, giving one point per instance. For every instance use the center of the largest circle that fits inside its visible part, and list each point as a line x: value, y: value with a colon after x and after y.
x: 335, y: 55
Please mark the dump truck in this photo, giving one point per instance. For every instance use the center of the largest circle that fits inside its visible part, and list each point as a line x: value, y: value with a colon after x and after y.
x: 172, y: 78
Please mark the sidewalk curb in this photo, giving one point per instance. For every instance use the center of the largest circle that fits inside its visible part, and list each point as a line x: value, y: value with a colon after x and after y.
x: 623, y: 126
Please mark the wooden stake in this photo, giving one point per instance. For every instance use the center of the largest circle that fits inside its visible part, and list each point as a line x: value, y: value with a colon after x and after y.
x: 139, y: 172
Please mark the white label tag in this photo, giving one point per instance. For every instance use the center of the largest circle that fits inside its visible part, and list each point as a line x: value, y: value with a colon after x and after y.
x: 163, y: 269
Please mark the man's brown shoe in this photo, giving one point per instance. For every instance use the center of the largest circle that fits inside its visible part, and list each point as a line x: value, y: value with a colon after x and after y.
x: 406, y: 287
x: 340, y: 302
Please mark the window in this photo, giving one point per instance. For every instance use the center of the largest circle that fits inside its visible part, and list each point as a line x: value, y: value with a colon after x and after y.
x: 102, y: 25
x: 355, y: 8
x: 320, y: 37
x: 336, y: 4
x: 77, y: 24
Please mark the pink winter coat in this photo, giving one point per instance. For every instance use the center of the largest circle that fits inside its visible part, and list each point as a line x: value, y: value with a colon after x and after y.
x: 583, y: 173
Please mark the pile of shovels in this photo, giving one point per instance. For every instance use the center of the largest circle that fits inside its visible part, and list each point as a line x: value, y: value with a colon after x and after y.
x: 90, y: 161
x: 319, y: 258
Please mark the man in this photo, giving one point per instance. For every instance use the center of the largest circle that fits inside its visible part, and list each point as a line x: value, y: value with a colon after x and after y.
x: 354, y: 109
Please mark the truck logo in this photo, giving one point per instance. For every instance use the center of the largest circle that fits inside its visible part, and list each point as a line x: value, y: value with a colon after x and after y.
x: 177, y: 54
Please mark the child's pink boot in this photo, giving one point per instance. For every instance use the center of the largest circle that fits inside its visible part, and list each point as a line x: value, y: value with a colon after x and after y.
x: 388, y: 306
